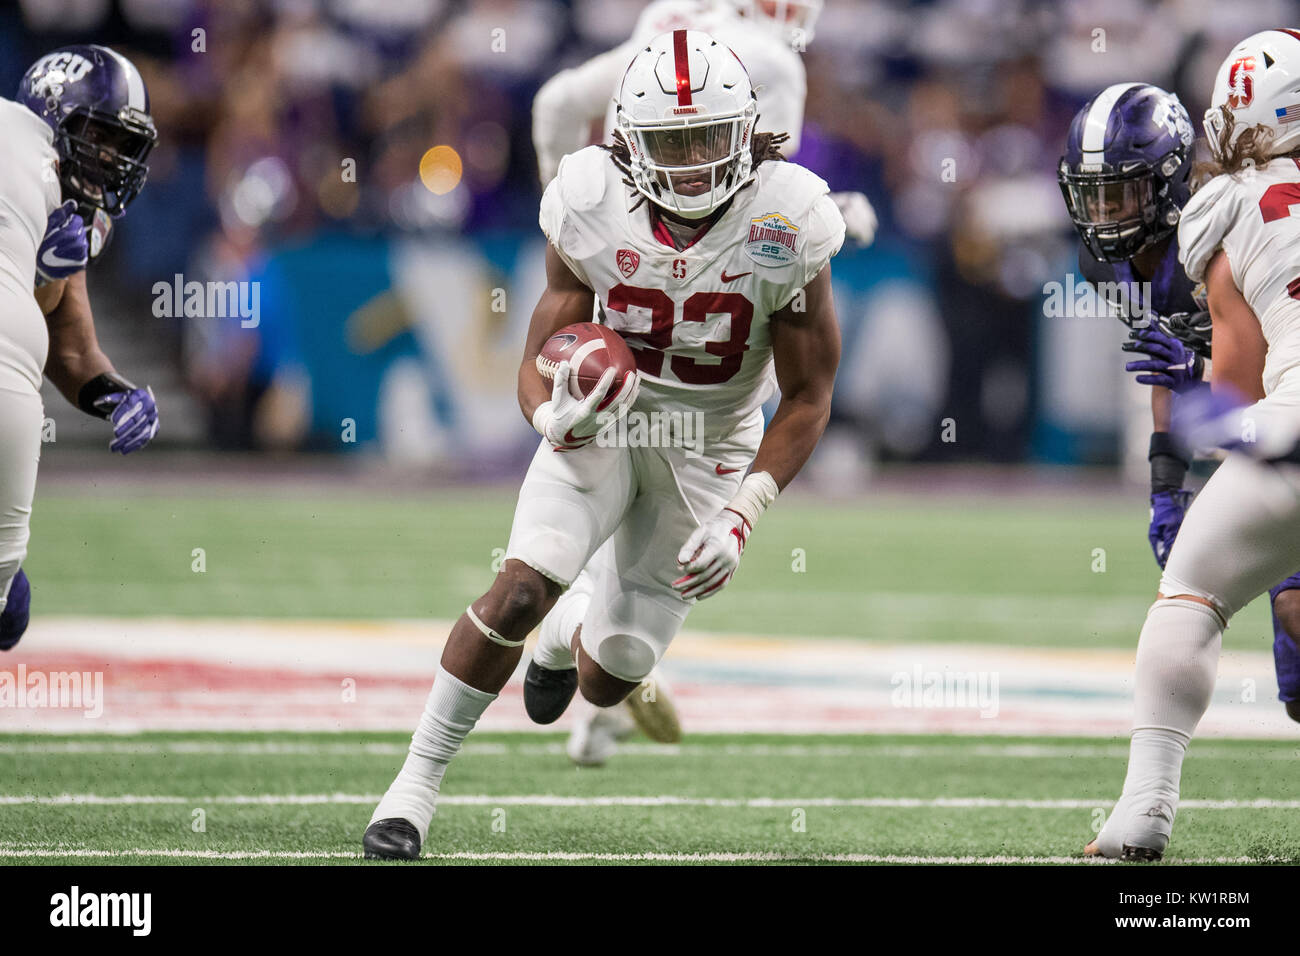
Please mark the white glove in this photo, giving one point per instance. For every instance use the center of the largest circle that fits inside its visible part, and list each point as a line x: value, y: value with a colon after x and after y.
x: 568, y: 422
x: 711, y: 555
x: 859, y: 218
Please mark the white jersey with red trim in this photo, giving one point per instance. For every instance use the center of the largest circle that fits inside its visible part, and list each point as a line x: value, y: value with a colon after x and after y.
x: 570, y: 103
x: 697, y: 318
x: 29, y: 192
x: 1251, y: 216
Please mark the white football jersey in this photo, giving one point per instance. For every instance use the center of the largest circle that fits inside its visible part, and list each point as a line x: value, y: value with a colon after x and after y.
x: 572, y: 101
x: 1250, y: 216
x: 29, y: 192
x: 697, y: 318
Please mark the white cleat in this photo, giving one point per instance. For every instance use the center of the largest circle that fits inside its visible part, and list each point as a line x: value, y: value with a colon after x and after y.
x: 596, y: 734
x: 651, y: 706
x: 1137, y: 829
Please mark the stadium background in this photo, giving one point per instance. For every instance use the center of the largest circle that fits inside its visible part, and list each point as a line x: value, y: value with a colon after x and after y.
x: 331, y: 486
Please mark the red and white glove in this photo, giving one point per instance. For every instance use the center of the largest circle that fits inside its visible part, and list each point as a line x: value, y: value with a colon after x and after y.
x: 711, y: 555
x: 569, y: 423
x: 859, y: 218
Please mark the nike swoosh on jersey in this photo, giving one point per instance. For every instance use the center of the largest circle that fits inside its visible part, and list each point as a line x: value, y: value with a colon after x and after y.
x: 725, y: 471
x: 738, y: 275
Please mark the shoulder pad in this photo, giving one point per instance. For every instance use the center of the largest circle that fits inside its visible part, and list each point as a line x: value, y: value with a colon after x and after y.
x: 583, y: 178
x: 1205, y: 221
x: 798, y: 188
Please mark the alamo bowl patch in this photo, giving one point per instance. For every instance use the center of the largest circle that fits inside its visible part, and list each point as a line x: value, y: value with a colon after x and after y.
x: 773, y: 240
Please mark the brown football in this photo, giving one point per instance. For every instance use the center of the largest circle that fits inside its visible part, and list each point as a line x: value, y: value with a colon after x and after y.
x: 589, y: 349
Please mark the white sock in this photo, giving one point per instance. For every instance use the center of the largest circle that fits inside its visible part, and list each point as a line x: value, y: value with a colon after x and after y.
x: 1155, y: 762
x: 450, y: 712
x: 554, y: 649
x: 1177, y: 661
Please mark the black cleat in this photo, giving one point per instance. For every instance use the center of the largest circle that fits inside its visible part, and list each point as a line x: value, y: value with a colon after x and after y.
x: 1140, y: 854
x: 391, y: 839
x: 547, y: 693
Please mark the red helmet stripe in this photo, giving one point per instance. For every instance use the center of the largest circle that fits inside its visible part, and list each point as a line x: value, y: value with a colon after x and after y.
x: 683, y: 64
x: 1294, y: 34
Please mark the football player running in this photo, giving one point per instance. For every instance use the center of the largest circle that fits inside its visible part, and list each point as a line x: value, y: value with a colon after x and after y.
x: 710, y: 255
x: 765, y: 36
x: 1125, y: 177
x: 73, y: 149
x: 1238, y: 235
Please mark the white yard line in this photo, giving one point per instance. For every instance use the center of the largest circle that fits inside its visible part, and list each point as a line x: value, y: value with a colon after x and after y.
x: 918, y: 751
x: 662, y: 800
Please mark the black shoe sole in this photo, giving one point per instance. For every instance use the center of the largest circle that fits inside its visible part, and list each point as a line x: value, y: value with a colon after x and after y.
x: 1140, y: 854
x: 391, y: 839
x: 547, y: 694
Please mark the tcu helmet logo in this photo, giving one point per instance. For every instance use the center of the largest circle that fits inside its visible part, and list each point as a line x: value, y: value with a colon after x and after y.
x: 1241, y: 85
x: 627, y: 260
x: 56, y: 69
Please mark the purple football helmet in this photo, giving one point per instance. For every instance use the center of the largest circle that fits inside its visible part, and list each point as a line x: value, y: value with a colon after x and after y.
x: 1125, y: 171
x: 95, y: 101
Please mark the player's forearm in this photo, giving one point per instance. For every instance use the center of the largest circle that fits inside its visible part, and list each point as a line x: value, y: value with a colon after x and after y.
x: 533, y: 389
x: 1161, y: 408
x: 74, y: 356
x: 791, y: 436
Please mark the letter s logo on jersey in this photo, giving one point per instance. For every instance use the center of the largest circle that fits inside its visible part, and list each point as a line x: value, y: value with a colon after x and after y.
x: 1241, y: 85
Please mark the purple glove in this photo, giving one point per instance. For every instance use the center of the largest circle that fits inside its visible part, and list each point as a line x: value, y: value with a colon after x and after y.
x: 134, y: 416
x: 1223, y: 418
x: 1171, y: 365
x: 1167, y: 510
x: 65, y: 249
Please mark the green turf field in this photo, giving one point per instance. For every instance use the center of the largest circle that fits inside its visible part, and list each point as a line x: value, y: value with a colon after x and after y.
x: 902, y: 569
x: 278, y: 798
x: 896, y: 569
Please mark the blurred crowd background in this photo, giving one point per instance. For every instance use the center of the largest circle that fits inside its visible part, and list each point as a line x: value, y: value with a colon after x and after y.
x: 392, y: 306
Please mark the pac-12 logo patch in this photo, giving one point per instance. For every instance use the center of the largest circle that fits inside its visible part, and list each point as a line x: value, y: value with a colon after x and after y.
x: 773, y: 240
x: 627, y: 261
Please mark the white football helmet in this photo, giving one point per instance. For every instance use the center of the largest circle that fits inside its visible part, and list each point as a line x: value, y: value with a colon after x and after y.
x: 686, y: 111
x: 792, y: 20
x: 1258, y: 85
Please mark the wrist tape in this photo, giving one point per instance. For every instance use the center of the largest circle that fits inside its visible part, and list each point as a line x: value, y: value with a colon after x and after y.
x: 756, y: 494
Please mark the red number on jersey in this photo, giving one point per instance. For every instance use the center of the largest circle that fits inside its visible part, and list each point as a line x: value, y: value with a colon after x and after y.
x: 663, y: 315
x: 1278, y: 199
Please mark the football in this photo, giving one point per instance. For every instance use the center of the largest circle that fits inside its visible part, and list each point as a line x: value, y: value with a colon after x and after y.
x: 590, y: 349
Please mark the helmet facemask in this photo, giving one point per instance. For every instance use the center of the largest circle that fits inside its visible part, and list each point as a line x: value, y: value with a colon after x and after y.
x: 690, y: 166
x: 102, y: 156
x: 1119, y: 214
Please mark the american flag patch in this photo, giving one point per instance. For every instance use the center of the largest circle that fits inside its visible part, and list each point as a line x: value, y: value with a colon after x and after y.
x: 1288, y: 115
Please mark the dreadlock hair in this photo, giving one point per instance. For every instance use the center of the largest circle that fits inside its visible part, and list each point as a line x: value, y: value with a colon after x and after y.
x: 1250, y: 149
x: 762, y: 148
